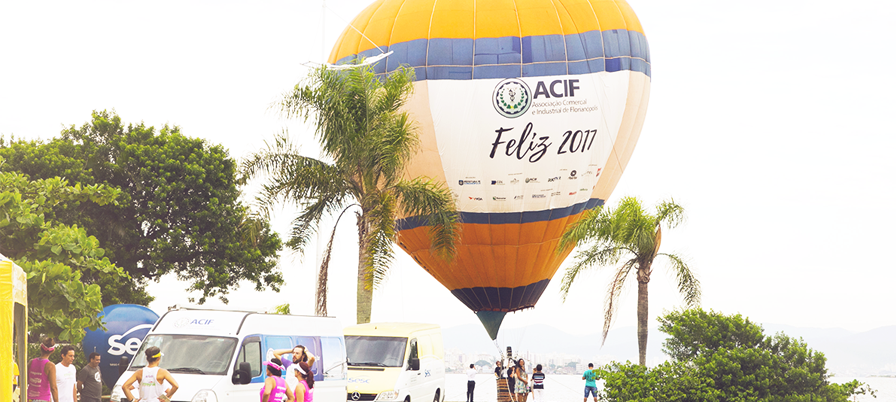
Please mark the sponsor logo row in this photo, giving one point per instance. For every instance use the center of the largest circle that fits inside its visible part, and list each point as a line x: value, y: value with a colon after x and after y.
x: 573, y: 175
x: 534, y: 196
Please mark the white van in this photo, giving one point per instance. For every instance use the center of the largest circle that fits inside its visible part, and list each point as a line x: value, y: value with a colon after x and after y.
x: 217, y: 356
x: 395, y: 362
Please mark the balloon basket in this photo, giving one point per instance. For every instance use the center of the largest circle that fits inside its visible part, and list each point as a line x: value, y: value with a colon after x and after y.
x: 503, y: 392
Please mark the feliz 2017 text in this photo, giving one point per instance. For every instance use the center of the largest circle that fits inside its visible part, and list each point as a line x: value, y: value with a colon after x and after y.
x: 534, y: 147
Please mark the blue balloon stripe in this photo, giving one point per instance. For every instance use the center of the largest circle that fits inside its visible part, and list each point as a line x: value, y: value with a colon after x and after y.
x: 500, y: 218
x: 514, y: 57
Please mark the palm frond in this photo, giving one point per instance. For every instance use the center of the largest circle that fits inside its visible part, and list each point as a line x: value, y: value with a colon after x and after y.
x: 323, y: 273
x: 613, y: 293
x: 585, y: 229
x: 587, y: 259
x: 429, y: 201
x: 670, y: 213
x: 688, y: 284
x: 382, y: 233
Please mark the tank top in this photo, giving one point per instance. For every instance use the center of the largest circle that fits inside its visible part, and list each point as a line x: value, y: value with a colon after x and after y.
x: 150, y: 387
x: 38, y: 383
x: 309, y: 392
x: 278, y: 393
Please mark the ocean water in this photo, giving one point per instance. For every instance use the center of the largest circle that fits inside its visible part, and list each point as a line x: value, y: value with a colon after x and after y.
x: 562, y: 388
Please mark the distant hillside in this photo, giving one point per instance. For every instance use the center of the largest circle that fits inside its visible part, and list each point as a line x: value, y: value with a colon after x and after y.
x: 848, y: 353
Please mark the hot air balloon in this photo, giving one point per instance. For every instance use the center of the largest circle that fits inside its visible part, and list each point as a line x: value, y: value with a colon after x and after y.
x: 528, y: 110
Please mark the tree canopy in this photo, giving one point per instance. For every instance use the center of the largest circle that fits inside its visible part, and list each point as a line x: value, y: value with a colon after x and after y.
x: 65, y: 266
x: 178, y: 212
x: 631, y: 233
x: 718, y: 357
x: 367, y: 142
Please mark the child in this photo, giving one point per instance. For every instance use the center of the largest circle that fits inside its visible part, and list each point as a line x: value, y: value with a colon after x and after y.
x: 538, y: 384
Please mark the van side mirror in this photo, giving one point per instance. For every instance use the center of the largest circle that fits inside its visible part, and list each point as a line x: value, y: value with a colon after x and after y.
x: 123, y: 364
x: 414, y: 364
x: 243, y: 374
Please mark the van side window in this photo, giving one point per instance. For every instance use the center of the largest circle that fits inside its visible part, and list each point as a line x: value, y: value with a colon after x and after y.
x: 332, y: 358
x: 251, y: 353
x: 414, y: 354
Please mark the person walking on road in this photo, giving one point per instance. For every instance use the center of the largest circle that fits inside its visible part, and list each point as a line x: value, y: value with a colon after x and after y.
x: 590, y: 377
x: 471, y: 382
x: 90, y: 380
x: 152, y: 379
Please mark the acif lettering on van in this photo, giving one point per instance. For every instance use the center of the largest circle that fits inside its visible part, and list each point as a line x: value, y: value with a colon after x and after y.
x: 196, y: 321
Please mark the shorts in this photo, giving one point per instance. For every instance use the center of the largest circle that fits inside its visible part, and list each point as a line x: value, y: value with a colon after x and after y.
x: 592, y: 390
x: 538, y: 394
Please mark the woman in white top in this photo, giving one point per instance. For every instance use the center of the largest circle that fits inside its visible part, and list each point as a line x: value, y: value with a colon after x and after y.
x: 151, y: 380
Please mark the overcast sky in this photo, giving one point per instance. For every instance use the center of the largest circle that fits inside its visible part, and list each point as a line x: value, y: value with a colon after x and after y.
x: 771, y: 122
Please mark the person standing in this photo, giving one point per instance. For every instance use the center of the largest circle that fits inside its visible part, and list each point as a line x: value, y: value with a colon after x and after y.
x: 522, y: 382
x: 42, y: 375
x: 511, y: 380
x: 471, y: 382
x: 499, y: 370
x: 538, y: 384
x: 90, y: 380
x: 299, y: 354
x: 66, y: 375
x: 274, y: 388
x: 152, y: 379
x: 304, y: 389
x: 590, y: 377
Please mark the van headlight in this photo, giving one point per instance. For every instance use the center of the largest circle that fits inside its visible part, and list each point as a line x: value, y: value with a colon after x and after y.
x: 205, y: 395
x: 387, y: 396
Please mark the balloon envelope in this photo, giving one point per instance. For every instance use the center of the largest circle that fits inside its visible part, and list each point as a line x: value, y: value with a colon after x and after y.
x: 126, y: 326
x: 528, y: 110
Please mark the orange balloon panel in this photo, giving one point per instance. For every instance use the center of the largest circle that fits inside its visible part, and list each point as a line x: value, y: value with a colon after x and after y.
x: 497, y: 267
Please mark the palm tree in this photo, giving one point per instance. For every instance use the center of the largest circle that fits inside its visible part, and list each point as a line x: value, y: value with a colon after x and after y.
x: 630, y: 232
x: 367, y: 142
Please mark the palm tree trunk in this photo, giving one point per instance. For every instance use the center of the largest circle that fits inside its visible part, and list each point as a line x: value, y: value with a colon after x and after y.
x: 365, y: 277
x: 643, y: 279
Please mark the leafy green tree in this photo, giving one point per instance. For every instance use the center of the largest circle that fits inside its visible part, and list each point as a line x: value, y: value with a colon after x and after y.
x: 727, y: 358
x: 367, y: 142
x: 631, y: 232
x: 179, y: 210
x: 64, y: 265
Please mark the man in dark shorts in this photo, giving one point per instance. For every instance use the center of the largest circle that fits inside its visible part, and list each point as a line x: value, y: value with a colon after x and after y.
x: 90, y: 380
x: 590, y: 377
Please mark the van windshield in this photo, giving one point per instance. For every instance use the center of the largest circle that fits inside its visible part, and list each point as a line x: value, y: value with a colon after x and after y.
x: 193, y: 354
x: 379, y: 351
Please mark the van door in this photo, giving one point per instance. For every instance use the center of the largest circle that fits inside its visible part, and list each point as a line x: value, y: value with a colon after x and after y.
x: 250, y: 352
x: 415, y: 379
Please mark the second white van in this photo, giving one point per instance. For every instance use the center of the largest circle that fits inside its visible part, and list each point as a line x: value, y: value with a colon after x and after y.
x: 395, y: 362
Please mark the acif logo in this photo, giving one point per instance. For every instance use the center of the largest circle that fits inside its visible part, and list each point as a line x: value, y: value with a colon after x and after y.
x: 512, y: 98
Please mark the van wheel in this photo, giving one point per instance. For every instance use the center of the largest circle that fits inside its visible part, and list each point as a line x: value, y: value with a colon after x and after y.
x: 436, y: 398
x: 407, y: 398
